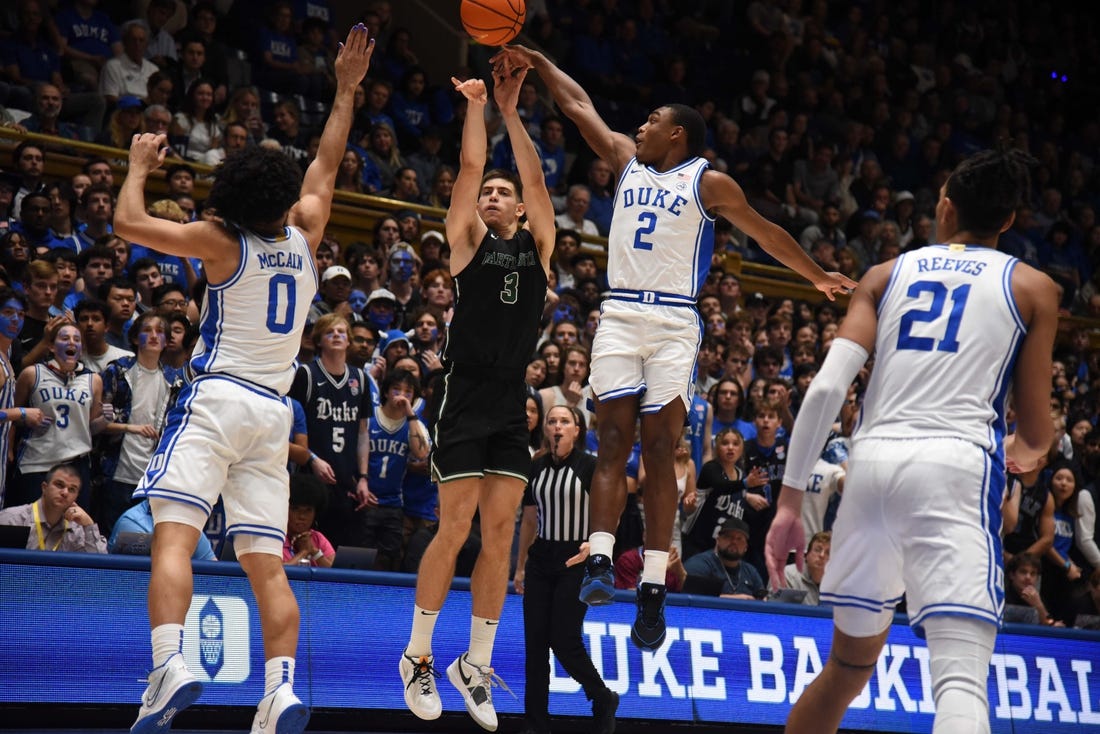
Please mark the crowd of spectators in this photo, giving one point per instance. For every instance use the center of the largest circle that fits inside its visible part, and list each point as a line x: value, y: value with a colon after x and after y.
x: 840, y: 121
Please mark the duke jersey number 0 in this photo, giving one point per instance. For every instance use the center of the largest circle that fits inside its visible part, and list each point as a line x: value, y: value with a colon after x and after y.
x: 251, y: 324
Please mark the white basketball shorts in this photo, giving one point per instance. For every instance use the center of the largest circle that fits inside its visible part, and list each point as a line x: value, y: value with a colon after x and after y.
x: 919, y: 517
x: 646, y: 350
x: 225, y: 436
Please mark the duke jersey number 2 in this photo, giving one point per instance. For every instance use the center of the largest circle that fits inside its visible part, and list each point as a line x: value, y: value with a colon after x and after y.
x: 661, y: 238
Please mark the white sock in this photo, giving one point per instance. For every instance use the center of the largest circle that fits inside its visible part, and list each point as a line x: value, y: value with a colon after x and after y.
x: 420, y: 641
x: 483, y: 633
x: 601, y: 544
x: 167, y: 641
x: 278, y: 671
x: 653, y: 571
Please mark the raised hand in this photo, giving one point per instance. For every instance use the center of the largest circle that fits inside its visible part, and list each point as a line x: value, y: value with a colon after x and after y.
x: 516, y: 57
x: 472, y: 89
x: 147, y: 152
x: 353, y: 57
x: 508, y: 80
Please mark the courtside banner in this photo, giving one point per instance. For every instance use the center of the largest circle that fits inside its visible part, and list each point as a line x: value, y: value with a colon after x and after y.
x: 723, y: 661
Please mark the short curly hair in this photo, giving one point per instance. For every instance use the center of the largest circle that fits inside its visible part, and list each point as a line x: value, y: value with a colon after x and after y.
x: 255, y: 186
x: 306, y: 489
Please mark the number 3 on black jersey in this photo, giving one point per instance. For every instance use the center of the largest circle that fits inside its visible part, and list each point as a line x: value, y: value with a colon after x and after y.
x: 511, y: 288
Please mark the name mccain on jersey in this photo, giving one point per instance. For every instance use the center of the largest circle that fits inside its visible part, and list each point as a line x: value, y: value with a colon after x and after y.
x: 286, y: 260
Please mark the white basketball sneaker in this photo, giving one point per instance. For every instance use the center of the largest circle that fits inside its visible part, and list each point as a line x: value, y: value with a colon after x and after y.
x: 171, y: 689
x: 280, y: 713
x: 475, y: 683
x: 421, y: 695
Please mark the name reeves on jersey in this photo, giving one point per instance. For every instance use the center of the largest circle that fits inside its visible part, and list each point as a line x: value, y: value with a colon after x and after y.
x: 969, y: 267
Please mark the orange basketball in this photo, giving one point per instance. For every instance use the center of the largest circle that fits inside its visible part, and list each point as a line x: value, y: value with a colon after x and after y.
x: 493, y: 22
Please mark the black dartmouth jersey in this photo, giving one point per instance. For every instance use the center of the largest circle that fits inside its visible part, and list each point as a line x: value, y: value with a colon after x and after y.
x: 499, y: 298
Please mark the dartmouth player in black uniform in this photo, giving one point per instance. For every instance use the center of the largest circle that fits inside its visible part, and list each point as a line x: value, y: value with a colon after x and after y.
x: 481, y: 459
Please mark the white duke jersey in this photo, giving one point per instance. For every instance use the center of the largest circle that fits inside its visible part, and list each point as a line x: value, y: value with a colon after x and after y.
x: 661, y: 239
x: 251, y: 324
x: 67, y: 401
x: 948, y: 335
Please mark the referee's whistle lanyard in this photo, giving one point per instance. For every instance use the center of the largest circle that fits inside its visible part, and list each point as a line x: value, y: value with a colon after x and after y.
x: 560, y: 460
x: 38, y: 529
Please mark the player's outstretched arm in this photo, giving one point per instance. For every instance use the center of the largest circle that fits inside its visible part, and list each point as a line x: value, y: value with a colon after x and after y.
x: 1037, y: 298
x: 536, y: 197
x: 723, y: 196
x: 465, y: 229
x: 312, y: 211
x: 132, y: 222
x: 615, y: 148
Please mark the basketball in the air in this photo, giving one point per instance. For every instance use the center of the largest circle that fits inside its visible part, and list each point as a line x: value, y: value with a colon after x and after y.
x: 493, y: 22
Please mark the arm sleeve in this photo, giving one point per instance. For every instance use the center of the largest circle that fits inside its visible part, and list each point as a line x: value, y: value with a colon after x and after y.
x: 819, y: 409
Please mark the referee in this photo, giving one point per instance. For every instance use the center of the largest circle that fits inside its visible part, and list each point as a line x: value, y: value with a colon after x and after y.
x: 555, y: 522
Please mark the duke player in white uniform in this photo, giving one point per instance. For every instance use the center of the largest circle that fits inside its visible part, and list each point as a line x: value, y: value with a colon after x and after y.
x: 955, y: 328
x: 643, y: 356
x: 227, y: 434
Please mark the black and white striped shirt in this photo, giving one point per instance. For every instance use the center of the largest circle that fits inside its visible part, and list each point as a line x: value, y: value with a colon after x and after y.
x: 560, y: 492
